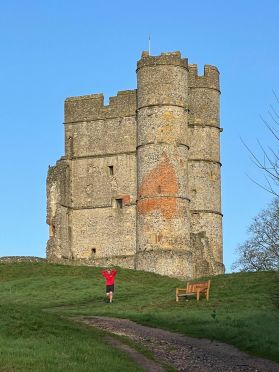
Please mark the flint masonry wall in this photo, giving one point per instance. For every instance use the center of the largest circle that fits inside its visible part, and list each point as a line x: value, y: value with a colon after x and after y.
x: 100, y: 147
x: 204, y: 157
x: 139, y: 185
x: 163, y: 223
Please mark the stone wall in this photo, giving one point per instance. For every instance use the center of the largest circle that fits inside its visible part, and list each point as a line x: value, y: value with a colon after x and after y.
x: 204, y: 157
x: 139, y: 185
x: 58, y: 210
x: 19, y: 259
x: 100, y: 145
x: 163, y: 228
x: 104, y: 232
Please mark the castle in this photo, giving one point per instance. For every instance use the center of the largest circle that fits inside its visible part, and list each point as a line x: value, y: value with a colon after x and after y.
x: 139, y: 185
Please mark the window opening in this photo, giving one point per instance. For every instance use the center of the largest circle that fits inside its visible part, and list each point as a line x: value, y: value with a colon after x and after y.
x: 111, y: 171
x: 51, y: 230
x: 119, y: 203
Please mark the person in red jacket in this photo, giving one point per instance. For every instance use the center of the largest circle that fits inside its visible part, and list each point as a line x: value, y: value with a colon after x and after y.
x: 109, y: 275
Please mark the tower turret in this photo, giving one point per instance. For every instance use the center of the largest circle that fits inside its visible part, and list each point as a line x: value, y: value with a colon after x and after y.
x: 163, y: 223
x: 204, y: 159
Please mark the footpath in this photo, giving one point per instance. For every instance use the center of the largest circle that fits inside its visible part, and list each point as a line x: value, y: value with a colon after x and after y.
x: 179, y: 352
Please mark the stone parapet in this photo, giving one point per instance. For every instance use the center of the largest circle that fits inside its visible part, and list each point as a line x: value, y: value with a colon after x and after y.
x: 210, y: 78
x: 171, y: 58
x: 91, y: 107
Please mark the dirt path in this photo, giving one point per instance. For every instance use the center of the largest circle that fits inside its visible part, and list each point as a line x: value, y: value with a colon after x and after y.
x: 181, y: 352
x: 141, y: 360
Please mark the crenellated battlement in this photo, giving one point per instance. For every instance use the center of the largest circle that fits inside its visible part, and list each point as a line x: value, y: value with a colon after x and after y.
x: 122, y: 97
x: 97, y: 96
x: 209, y: 79
x: 170, y: 58
x: 92, y: 107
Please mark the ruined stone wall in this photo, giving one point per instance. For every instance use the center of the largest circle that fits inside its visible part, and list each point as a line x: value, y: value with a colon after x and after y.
x: 139, y: 185
x: 100, y: 146
x: 58, y: 202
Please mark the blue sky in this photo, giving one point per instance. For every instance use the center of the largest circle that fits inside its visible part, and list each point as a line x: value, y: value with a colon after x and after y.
x: 54, y: 49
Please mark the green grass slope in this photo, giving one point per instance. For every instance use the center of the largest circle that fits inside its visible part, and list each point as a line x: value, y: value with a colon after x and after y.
x: 37, y: 299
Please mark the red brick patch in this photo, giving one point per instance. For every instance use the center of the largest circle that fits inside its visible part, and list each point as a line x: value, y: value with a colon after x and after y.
x: 160, y: 181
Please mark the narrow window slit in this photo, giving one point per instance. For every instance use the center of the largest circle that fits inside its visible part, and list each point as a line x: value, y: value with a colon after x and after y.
x: 119, y: 203
x: 111, y: 171
x: 51, y: 230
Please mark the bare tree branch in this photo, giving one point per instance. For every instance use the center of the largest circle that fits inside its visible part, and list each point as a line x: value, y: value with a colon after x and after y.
x: 268, y: 163
x: 261, y: 251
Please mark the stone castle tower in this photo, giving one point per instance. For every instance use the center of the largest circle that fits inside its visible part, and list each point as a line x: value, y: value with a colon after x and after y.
x: 139, y: 185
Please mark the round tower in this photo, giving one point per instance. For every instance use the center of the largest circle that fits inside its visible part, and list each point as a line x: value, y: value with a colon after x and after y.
x: 163, y: 222
x: 204, y: 160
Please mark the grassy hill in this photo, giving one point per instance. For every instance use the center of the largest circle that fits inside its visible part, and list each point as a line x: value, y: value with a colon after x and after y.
x: 37, y: 300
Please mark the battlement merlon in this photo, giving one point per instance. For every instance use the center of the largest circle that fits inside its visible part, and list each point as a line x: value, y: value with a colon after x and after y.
x: 91, y: 107
x: 171, y: 58
x: 210, y: 78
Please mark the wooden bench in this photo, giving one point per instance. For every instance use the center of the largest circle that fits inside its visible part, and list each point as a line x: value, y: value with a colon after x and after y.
x: 195, y: 289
